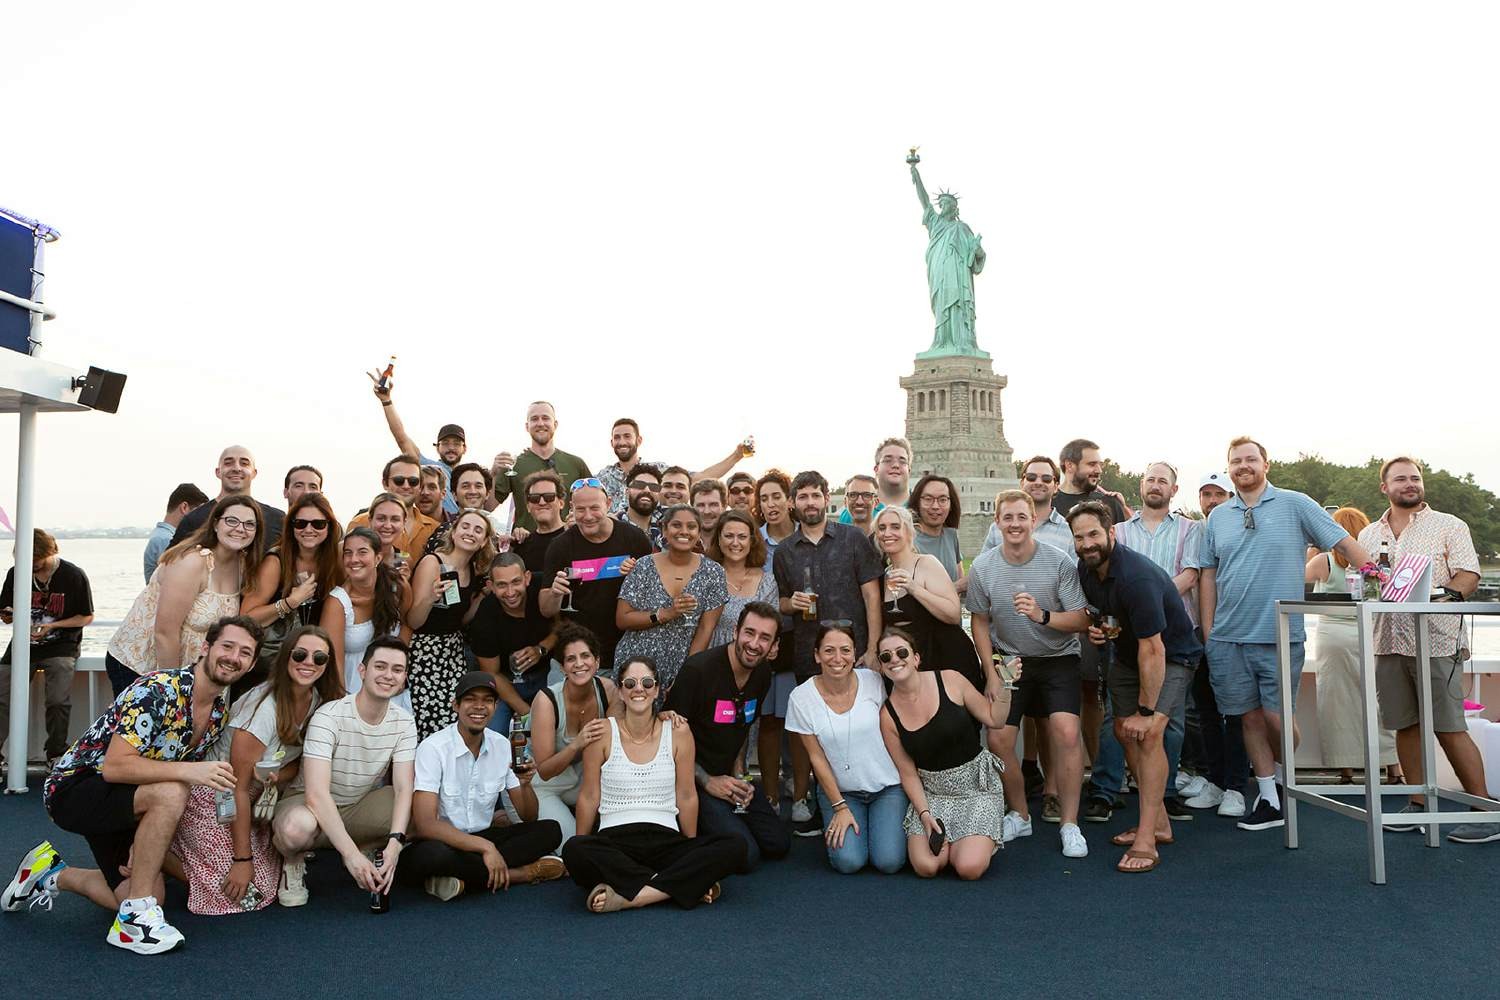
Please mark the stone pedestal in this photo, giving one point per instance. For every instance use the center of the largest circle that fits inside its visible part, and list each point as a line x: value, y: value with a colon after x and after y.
x: 956, y: 429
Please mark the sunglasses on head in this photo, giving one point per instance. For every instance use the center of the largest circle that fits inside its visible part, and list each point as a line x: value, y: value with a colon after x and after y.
x: 1032, y: 477
x: 589, y: 481
x: 540, y: 498
x: 303, y: 523
x: 405, y: 480
x: 319, y: 657
x: 644, y: 683
x: 900, y: 653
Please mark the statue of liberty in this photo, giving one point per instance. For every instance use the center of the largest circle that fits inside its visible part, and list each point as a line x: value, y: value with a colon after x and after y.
x: 954, y: 256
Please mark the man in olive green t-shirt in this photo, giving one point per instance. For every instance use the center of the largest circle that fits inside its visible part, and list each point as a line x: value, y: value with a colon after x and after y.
x: 511, y: 471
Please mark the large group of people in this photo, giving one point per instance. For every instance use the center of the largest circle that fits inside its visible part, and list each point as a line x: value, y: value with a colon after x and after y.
x: 649, y: 679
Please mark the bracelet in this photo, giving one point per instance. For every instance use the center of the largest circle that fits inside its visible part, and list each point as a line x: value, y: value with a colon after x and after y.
x: 385, y: 402
x: 923, y: 813
x: 841, y: 802
x: 242, y: 861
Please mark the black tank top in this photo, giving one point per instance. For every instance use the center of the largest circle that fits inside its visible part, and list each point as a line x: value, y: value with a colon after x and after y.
x: 443, y: 620
x: 950, y: 737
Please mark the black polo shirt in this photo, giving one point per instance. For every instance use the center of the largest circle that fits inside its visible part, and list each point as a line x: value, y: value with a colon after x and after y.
x: 1145, y: 600
x: 837, y: 566
x: 718, y: 712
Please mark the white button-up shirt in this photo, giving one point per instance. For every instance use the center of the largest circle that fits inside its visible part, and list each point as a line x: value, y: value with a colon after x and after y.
x: 467, y: 787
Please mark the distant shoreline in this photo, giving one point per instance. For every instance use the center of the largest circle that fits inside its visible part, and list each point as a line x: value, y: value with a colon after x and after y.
x: 64, y: 535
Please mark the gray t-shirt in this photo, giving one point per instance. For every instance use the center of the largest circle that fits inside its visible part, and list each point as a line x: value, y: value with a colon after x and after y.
x: 943, y: 547
x: 1047, y: 576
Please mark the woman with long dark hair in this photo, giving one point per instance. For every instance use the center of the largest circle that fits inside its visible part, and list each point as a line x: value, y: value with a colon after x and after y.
x: 294, y: 578
x: 369, y: 603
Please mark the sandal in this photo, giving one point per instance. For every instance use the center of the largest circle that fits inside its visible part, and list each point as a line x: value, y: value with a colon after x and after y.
x: 1151, y: 856
x: 1128, y: 837
x: 714, y: 892
x: 613, y: 901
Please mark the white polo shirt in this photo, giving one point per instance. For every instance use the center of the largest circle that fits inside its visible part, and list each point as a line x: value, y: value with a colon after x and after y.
x: 468, y: 788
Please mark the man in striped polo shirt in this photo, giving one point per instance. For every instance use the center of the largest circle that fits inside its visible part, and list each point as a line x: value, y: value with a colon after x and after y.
x: 1251, y: 555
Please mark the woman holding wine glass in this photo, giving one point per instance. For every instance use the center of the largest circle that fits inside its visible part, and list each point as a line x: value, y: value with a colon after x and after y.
x: 671, y: 601
x: 370, y: 602
x: 836, y: 715
x: 444, y: 585
x: 638, y: 784
x: 389, y: 514
x: 566, y: 719
x: 920, y: 598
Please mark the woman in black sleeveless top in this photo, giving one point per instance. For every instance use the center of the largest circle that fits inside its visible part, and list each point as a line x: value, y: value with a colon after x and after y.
x: 931, y: 727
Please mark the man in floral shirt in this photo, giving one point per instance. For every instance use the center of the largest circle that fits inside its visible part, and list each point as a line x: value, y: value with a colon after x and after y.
x: 124, y: 784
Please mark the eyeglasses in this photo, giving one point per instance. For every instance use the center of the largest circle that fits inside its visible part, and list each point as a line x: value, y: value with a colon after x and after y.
x: 319, y: 657
x: 936, y: 501
x: 303, y: 523
x: 1032, y: 477
x: 540, y: 498
x: 590, y: 481
x: 406, y: 480
x: 860, y: 495
x: 1249, y: 518
x: 644, y: 683
x: 899, y: 653
x: 236, y: 524
x: 641, y: 484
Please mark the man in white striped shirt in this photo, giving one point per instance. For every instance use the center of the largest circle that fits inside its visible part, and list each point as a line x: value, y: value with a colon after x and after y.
x: 349, y: 747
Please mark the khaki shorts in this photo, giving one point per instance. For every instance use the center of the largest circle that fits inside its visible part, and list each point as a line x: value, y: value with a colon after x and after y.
x: 366, y: 821
x: 1396, y: 690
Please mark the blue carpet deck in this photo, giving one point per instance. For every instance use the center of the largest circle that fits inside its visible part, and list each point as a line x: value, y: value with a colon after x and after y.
x: 1229, y: 913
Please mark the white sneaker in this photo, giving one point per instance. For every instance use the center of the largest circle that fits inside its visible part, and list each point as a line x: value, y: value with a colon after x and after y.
x: 1232, y: 804
x: 444, y: 887
x: 1073, y: 844
x: 1014, y: 826
x: 1207, y: 797
x: 800, y: 812
x: 293, y: 890
x: 1193, y: 786
x: 144, y: 931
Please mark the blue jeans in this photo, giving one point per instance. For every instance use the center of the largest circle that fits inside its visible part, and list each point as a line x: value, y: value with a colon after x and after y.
x: 1109, y: 770
x: 527, y: 689
x: 881, y: 840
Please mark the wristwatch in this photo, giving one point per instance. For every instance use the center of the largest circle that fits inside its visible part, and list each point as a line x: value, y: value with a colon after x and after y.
x: 654, y: 619
x: 398, y: 837
x: 1142, y: 710
x: 1046, y: 616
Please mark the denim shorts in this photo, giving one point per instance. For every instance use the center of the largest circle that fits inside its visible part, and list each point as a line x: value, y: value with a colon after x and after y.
x: 1245, y: 675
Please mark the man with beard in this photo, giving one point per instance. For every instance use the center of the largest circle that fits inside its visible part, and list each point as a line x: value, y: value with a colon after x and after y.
x: 625, y: 441
x: 741, y: 487
x: 402, y: 476
x: 708, y: 500
x: 451, y: 443
x: 1155, y: 653
x: 892, y: 476
x: 124, y: 785
x: 719, y: 692
x: 860, y: 495
x: 643, y: 507
x: 236, y: 474
x: 430, y: 492
x: 1082, y: 468
x: 824, y: 572
x: 1253, y: 553
x: 542, y: 453
x: 510, y: 636
x: 1410, y: 527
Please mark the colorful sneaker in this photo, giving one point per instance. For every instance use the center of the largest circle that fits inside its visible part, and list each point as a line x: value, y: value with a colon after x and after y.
x: 143, y: 930
x: 35, y: 883
x: 293, y: 889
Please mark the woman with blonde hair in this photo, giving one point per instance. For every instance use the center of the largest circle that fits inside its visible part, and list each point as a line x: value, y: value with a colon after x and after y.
x: 920, y: 597
x: 1341, y: 733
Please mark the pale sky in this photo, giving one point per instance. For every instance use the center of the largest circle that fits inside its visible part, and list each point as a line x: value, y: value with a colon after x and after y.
x: 1201, y: 220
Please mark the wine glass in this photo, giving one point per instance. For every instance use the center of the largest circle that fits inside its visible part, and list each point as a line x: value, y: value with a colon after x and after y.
x: 1009, y: 665
x: 517, y: 672
x: 895, y: 592
x: 573, y: 575
x: 743, y: 807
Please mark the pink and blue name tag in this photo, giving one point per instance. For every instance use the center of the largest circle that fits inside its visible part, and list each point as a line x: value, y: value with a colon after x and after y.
x: 726, y: 715
x: 599, y: 569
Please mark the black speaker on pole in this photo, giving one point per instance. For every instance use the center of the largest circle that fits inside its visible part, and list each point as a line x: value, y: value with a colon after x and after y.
x: 101, y: 390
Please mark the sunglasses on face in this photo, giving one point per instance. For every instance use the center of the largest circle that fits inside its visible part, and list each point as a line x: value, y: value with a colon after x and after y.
x: 303, y: 523
x: 579, y: 483
x: 1032, y: 477
x: 641, y: 484
x: 233, y: 523
x: 540, y: 498
x: 319, y: 657
x: 899, y: 653
x: 405, y: 480
x: 644, y: 683
x: 744, y: 491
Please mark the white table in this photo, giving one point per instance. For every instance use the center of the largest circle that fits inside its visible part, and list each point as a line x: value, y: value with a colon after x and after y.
x: 1326, y: 796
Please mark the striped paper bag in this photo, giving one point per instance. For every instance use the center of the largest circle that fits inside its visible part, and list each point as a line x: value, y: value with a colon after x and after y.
x: 1405, y: 575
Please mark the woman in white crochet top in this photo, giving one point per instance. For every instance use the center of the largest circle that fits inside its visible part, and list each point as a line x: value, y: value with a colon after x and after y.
x: 639, y: 785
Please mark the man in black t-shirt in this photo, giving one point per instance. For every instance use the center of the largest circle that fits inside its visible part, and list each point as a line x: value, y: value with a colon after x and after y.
x: 509, y: 624
x: 543, y: 496
x: 600, y: 552
x: 236, y: 473
x: 61, y: 605
x: 719, y: 692
x: 1082, y: 468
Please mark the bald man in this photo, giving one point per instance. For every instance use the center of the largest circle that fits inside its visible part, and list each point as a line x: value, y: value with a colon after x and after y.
x: 235, y: 472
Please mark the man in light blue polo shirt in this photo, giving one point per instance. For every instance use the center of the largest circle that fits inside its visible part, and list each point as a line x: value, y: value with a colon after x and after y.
x: 1251, y: 555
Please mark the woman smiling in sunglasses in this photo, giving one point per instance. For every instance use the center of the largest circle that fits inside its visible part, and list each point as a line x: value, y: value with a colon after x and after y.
x: 931, y: 728
x: 294, y: 579
x: 233, y: 867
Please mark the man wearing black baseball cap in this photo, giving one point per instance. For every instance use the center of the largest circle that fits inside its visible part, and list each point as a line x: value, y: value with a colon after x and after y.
x: 463, y: 842
x: 451, y: 443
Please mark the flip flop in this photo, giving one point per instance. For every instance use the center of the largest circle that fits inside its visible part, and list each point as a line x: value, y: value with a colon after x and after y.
x: 613, y: 901
x: 1128, y: 837
x: 714, y: 892
x: 1146, y: 855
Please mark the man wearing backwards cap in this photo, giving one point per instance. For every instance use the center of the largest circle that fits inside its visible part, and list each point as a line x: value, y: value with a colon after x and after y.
x: 450, y: 444
x: 463, y: 842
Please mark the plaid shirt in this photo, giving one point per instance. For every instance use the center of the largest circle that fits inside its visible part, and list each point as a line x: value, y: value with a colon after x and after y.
x: 1446, y: 540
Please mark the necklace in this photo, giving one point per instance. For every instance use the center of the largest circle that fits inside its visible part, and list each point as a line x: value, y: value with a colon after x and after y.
x: 848, y: 724
x: 635, y: 739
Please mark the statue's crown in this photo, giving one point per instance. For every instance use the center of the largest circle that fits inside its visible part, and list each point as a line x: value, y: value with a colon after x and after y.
x: 947, y: 194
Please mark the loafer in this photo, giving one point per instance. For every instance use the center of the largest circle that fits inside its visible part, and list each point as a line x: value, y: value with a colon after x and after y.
x: 1051, y: 809
x: 1098, y: 809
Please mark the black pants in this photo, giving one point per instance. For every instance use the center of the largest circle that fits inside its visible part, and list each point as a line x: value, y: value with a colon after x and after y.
x: 629, y: 858
x: 520, y: 844
x: 760, y: 827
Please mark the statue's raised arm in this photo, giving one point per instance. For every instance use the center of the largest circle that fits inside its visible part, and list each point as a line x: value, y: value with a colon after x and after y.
x: 916, y: 179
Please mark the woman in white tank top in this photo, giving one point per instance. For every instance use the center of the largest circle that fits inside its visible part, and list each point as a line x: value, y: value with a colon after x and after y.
x: 639, y: 785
